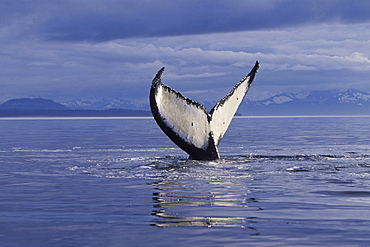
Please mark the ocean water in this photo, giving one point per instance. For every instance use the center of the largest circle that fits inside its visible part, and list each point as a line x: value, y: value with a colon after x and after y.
x: 121, y: 182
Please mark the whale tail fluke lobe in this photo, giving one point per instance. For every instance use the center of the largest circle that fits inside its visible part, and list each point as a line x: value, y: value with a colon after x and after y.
x: 188, y: 124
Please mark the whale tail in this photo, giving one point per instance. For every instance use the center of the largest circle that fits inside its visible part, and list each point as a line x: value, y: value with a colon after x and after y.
x: 188, y: 123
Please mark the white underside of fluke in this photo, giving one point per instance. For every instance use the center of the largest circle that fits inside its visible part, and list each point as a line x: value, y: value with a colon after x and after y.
x: 224, y: 111
x: 188, y: 123
x: 187, y: 120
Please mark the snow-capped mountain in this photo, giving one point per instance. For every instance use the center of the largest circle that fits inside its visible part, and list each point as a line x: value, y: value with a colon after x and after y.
x: 116, y: 103
x: 282, y: 98
x: 354, y: 97
x: 316, y: 102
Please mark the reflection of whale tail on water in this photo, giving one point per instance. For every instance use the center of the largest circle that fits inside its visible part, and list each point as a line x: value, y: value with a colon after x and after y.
x: 188, y: 124
x: 210, y: 204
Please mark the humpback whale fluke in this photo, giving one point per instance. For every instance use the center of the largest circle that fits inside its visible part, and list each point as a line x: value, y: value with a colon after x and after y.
x: 188, y: 124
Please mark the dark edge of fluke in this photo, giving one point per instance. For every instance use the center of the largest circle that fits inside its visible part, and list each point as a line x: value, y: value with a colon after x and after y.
x: 211, y: 153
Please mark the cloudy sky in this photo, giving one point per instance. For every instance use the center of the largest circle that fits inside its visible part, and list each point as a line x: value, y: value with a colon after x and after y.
x: 92, y: 49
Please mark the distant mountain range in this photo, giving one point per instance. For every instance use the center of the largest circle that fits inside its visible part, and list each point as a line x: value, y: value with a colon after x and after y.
x: 351, y: 102
x: 32, y: 104
x: 26, y: 107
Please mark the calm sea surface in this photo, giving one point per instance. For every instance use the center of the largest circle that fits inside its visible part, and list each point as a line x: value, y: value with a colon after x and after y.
x: 121, y: 182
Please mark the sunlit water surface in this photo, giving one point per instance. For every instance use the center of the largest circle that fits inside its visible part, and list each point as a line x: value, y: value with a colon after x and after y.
x: 121, y: 182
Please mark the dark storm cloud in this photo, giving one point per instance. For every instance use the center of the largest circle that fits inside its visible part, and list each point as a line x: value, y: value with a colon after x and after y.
x: 102, y: 21
x: 107, y: 20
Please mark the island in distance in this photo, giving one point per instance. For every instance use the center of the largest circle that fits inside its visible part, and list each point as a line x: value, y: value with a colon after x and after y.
x: 38, y: 107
